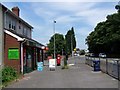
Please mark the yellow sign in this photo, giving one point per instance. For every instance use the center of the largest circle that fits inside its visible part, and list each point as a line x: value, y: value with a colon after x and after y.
x: 75, y: 49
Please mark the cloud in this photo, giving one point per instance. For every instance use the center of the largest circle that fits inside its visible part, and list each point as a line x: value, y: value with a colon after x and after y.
x: 83, y: 31
x: 83, y: 16
x: 59, y: 0
x: 93, y: 16
x: 70, y: 14
x: 42, y: 34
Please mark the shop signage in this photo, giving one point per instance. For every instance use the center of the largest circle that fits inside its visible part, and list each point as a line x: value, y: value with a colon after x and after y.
x: 13, y: 53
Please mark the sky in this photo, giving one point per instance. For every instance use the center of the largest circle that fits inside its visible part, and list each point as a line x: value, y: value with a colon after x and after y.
x: 83, y: 16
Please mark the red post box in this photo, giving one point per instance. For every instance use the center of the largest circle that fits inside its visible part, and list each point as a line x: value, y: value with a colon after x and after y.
x: 58, y: 60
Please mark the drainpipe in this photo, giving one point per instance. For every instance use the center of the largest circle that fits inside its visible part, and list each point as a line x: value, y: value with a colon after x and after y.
x: 22, y: 55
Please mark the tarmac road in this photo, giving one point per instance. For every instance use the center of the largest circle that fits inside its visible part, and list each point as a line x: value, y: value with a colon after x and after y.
x: 79, y: 75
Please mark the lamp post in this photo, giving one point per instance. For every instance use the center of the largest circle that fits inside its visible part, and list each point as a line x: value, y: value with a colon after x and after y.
x: 54, y: 36
x: 71, y: 45
x: 43, y: 47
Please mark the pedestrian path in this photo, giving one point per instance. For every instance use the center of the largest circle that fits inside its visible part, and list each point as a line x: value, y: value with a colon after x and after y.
x: 78, y: 75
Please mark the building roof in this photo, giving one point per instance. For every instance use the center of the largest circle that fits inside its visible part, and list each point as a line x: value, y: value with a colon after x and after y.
x: 20, y: 37
x: 17, y: 17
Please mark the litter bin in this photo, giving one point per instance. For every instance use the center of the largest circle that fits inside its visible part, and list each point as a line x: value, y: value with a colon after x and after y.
x: 96, y: 65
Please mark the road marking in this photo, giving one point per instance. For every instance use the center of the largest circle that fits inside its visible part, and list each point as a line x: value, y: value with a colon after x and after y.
x: 95, y: 71
x: 71, y: 64
x: 113, y: 79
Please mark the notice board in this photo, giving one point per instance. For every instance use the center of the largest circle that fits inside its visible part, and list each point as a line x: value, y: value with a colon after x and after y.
x: 52, y: 63
x: 13, y: 53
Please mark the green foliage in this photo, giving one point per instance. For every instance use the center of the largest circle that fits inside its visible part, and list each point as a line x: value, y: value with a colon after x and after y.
x: 8, y: 74
x: 59, y: 44
x: 65, y: 64
x: 106, y: 36
x: 82, y: 52
x: 70, y: 41
x: 65, y: 67
x: 62, y: 44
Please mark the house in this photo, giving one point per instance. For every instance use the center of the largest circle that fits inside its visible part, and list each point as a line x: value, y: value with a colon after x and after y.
x: 1, y: 37
x: 20, y: 50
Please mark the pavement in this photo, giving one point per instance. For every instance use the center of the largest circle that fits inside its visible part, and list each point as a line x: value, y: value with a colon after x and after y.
x: 79, y: 75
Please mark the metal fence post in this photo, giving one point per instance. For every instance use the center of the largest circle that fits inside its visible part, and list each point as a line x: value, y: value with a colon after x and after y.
x: 106, y: 65
x: 118, y: 70
x: 118, y: 62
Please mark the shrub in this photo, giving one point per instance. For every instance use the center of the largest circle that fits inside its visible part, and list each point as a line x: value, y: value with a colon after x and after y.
x: 65, y: 67
x: 8, y: 74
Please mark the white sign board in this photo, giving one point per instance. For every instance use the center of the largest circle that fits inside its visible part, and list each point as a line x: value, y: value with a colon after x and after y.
x: 52, y: 63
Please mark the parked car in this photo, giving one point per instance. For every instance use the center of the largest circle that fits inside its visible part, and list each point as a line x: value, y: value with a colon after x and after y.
x: 92, y: 54
x: 102, y: 55
x: 76, y: 54
x: 87, y: 54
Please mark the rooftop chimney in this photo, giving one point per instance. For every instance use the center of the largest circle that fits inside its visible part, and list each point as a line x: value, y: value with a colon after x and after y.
x: 16, y: 11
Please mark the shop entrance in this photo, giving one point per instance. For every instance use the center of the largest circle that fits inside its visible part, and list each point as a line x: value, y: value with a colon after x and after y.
x: 27, y: 59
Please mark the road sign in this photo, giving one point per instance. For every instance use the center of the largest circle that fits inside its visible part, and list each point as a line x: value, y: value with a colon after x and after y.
x: 75, y: 49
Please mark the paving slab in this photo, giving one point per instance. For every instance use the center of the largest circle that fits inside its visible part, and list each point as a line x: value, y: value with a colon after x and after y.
x: 79, y: 75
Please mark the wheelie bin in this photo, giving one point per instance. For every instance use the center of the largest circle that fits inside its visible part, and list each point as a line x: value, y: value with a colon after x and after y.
x: 96, y: 65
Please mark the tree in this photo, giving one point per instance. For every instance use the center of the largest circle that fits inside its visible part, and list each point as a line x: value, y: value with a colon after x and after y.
x: 106, y: 35
x: 59, y: 44
x: 70, y: 41
x: 73, y: 38
x: 82, y: 52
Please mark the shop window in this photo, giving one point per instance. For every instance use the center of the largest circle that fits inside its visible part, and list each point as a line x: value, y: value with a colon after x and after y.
x: 19, y: 27
x: 25, y: 31
x: 12, y: 25
x: 9, y: 25
x: 13, y: 28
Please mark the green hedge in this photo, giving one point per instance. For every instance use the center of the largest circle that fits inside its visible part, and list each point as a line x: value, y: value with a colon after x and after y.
x: 8, y: 74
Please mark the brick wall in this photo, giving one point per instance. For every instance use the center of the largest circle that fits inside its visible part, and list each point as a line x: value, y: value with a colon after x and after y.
x: 11, y: 42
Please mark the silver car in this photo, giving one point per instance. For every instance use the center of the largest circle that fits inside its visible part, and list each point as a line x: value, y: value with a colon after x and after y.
x: 102, y: 55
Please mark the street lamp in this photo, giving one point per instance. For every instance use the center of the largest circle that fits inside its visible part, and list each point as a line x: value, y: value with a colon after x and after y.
x: 71, y: 45
x: 43, y: 48
x: 54, y: 37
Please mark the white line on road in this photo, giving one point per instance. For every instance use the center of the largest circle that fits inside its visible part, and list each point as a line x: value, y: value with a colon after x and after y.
x: 71, y: 64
